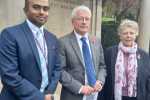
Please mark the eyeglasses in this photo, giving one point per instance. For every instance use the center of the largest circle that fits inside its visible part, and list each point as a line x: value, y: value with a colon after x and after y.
x: 82, y: 19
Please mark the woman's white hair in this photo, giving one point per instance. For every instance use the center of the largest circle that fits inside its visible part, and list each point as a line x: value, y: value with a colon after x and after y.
x: 128, y: 23
x: 77, y: 8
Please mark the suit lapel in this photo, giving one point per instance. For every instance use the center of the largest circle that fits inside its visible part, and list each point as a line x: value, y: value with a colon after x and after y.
x: 139, y: 62
x: 75, y: 45
x: 92, y: 49
x: 114, y: 53
x: 48, y: 40
x: 32, y: 43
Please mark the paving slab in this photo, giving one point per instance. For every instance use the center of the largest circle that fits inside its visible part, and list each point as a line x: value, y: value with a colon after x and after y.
x: 57, y: 92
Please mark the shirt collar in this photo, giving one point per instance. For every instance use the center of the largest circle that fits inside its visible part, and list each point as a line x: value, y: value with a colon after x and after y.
x: 79, y: 36
x: 34, y: 28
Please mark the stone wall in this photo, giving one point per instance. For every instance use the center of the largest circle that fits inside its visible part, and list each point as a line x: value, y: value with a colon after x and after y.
x: 11, y: 13
x: 59, y: 22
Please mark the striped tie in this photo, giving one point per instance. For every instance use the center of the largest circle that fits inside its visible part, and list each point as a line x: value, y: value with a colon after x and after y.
x: 43, y: 62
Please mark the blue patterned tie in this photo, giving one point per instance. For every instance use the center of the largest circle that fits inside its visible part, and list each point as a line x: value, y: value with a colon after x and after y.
x: 88, y: 63
x: 43, y: 62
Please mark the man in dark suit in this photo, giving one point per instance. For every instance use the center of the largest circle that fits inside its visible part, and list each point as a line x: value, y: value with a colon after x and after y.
x: 30, y: 64
x: 82, y: 60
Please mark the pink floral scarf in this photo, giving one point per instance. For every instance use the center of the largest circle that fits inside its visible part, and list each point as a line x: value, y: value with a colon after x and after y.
x: 120, y: 77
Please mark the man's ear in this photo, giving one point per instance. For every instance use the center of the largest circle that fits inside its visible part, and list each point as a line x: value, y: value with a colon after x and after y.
x: 72, y: 21
x: 25, y: 10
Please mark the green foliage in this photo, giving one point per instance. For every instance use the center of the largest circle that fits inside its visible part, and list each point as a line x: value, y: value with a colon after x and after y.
x: 121, y: 8
x: 107, y: 19
x: 130, y: 17
x: 109, y: 35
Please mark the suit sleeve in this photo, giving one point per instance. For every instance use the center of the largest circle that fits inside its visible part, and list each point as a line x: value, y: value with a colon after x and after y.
x: 102, y: 67
x: 56, y: 72
x: 9, y: 69
x: 148, y: 83
x: 66, y: 79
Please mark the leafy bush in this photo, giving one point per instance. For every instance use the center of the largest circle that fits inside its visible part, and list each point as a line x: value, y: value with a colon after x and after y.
x: 107, y: 19
x: 130, y: 16
x: 109, y: 36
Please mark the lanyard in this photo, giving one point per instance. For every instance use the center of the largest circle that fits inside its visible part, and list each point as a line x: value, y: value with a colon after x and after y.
x: 44, y: 53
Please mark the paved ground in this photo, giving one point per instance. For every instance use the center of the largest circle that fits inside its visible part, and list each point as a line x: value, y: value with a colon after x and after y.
x: 57, y: 93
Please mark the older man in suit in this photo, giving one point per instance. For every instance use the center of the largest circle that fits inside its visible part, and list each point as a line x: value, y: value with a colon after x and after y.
x: 30, y: 64
x: 84, y: 70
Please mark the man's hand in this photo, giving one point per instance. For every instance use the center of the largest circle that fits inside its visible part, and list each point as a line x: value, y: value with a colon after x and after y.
x: 48, y: 97
x: 87, y: 90
x: 98, y: 87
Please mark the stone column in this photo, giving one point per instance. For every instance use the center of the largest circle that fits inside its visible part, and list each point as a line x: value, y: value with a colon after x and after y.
x: 144, y: 26
x: 96, y: 18
x: 93, y: 20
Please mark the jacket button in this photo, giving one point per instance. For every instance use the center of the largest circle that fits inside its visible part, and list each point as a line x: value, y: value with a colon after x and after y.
x: 82, y: 73
x: 39, y: 81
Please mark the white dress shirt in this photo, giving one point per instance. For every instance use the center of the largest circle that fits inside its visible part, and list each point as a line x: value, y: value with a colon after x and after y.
x: 34, y: 30
x: 78, y: 37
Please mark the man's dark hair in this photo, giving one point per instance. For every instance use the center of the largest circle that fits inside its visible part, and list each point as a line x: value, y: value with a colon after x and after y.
x: 27, y: 4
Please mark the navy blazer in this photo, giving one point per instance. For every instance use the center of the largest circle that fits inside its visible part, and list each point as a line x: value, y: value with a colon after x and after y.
x: 143, y: 76
x: 20, y: 64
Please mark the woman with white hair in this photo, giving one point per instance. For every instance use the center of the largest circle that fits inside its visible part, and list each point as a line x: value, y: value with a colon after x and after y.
x: 128, y: 72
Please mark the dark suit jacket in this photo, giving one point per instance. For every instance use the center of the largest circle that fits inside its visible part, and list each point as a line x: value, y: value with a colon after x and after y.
x: 149, y: 49
x: 73, y: 74
x: 20, y: 64
x: 143, y: 77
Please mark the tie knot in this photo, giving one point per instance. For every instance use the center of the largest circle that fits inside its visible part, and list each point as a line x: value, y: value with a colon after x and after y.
x: 39, y: 32
x: 83, y: 39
